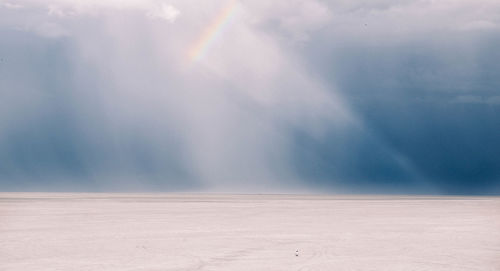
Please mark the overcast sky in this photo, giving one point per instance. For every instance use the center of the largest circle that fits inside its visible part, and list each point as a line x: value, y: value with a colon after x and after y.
x: 340, y: 96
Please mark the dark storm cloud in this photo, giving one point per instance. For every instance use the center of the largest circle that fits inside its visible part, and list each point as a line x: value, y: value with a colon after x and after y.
x: 338, y: 96
x: 56, y: 139
x: 433, y: 102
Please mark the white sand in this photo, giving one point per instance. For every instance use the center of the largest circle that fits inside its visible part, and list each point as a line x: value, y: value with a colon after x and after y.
x: 247, y: 232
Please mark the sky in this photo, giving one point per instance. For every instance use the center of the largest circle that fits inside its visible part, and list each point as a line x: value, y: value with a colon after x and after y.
x: 326, y: 96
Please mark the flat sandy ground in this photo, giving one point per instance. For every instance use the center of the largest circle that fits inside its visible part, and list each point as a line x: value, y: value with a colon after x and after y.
x: 247, y: 232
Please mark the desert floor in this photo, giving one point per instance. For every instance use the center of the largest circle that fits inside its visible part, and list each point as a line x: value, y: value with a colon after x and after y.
x: 247, y: 232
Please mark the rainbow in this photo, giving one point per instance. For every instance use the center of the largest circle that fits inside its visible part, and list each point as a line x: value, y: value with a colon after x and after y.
x: 210, y: 34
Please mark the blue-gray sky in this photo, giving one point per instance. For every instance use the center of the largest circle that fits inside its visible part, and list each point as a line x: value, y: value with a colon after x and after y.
x: 250, y: 96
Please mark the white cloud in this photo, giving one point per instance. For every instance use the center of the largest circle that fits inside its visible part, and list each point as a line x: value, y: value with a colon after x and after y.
x: 166, y: 12
x: 58, y: 11
x: 12, y: 6
x: 294, y: 18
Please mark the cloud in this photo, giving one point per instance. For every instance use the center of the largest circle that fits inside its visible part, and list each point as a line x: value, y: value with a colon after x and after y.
x: 296, y: 19
x: 58, y: 11
x: 288, y: 94
x: 51, y: 30
x: 133, y: 92
x: 472, y: 99
x: 480, y: 25
x: 165, y: 12
x: 12, y: 6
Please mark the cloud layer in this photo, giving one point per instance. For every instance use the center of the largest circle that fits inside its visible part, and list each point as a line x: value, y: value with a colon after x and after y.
x: 339, y: 95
